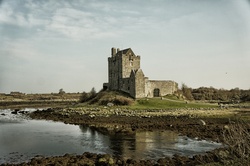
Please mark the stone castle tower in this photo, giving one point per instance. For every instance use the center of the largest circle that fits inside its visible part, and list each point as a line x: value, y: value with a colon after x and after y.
x: 125, y: 75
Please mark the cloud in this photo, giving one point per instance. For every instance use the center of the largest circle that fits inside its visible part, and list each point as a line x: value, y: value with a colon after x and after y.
x: 21, y: 50
x: 54, y: 39
x: 20, y: 16
x: 94, y: 20
x: 6, y: 12
x: 80, y: 24
x: 73, y: 23
x: 35, y: 70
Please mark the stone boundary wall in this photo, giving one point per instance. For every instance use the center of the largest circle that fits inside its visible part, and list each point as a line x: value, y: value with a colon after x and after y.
x: 165, y: 87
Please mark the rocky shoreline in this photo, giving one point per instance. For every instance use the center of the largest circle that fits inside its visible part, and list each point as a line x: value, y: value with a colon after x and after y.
x: 200, y: 124
x: 91, y: 159
x: 111, y: 121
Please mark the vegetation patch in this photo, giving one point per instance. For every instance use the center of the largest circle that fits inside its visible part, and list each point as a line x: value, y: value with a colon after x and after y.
x: 235, y: 95
x: 123, y: 99
x: 106, y: 98
x: 165, y: 103
x: 173, y: 101
x: 237, y: 138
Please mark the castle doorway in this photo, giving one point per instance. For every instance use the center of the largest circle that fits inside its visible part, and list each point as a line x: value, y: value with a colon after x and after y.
x: 156, y: 92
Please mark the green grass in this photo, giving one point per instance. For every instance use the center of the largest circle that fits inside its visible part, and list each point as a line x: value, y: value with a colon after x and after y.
x: 158, y: 103
x: 173, y: 97
x: 166, y: 102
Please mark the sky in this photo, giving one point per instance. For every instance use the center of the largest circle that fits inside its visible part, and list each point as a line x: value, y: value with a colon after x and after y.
x: 52, y: 44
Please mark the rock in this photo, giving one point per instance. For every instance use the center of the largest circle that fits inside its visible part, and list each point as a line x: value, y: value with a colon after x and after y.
x: 111, y: 161
x: 87, y: 162
x: 15, y: 111
x: 23, y: 112
x: 110, y: 104
x: 202, y: 122
x: 92, y: 115
x: 223, y: 154
x: 102, y: 160
x: 3, y: 114
x: 120, y: 162
x: 226, y: 127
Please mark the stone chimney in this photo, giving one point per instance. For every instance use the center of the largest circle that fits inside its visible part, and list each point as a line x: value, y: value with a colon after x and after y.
x: 113, y: 51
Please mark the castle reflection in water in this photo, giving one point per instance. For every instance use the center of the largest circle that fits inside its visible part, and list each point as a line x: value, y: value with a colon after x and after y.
x: 147, y: 144
x: 144, y: 144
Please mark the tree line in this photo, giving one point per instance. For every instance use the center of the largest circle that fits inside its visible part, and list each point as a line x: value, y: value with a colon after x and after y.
x: 209, y: 93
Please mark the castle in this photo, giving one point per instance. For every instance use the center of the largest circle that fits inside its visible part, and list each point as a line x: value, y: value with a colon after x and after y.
x: 125, y: 74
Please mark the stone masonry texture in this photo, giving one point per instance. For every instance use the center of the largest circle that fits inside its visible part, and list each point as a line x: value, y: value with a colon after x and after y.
x: 125, y: 74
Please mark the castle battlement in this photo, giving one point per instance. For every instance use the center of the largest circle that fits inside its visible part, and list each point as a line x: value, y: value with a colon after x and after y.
x: 125, y: 74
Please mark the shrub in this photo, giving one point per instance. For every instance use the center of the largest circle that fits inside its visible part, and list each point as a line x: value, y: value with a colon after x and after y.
x: 120, y: 100
x: 187, y: 92
x: 117, y: 98
x: 84, y: 97
x: 237, y: 138
x: 61, y: 91
x: 88, y: 96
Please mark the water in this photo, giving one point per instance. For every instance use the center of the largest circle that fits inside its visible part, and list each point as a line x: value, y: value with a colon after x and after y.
x: 22, y: 139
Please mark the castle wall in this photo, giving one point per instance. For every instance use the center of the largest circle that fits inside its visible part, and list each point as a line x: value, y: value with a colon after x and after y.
x: 132, y: 88
x: 125, y: 85
x: 165, y: 87
x: 139, y: 84
x: 129, y: 62
x: 115, y: 72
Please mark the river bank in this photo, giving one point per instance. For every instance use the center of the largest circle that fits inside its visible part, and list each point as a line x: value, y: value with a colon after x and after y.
x: 201, y: 124
x: 208, y: 124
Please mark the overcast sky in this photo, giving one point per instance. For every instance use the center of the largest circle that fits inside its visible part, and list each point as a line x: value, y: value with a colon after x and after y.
x: 51, y: 44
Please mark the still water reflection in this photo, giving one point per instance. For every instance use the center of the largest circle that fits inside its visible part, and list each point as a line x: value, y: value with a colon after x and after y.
x: 22, y: 138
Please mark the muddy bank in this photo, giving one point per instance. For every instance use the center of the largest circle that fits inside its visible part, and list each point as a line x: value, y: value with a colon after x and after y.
x: 34, y: 104
x: 189, y: 125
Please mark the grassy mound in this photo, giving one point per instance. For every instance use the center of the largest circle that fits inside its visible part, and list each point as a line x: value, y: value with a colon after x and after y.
x: 114, y: 97
x: 123, y: 99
